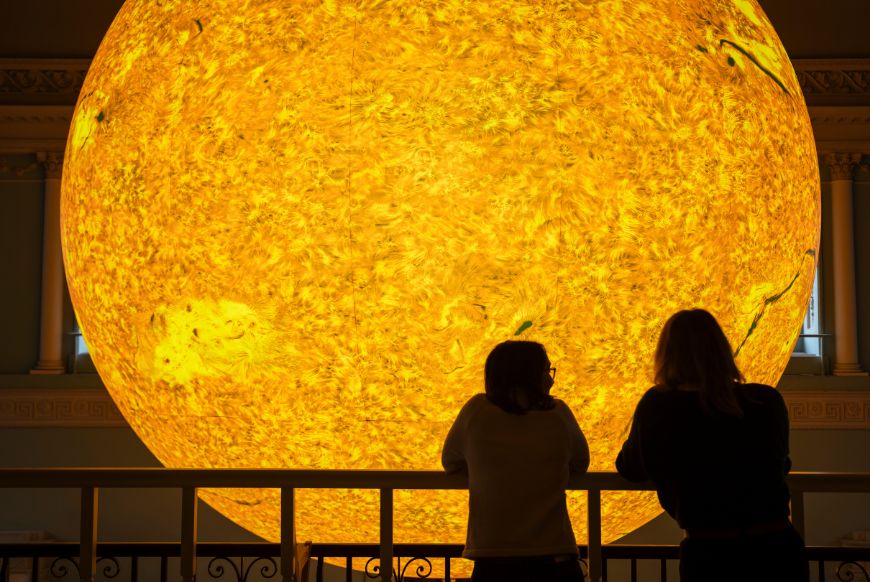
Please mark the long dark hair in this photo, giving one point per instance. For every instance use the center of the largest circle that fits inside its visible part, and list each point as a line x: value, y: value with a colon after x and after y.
x: 514, y: 377
x: 693, y: 350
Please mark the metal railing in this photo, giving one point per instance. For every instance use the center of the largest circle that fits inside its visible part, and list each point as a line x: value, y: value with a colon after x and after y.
x: 89, y: 482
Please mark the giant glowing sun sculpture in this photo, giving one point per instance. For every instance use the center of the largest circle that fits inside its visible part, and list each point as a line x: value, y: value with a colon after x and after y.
x: 293, y: 230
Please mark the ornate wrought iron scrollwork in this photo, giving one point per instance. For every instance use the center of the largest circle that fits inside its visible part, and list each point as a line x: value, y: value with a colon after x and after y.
x: 268, y: 568
x: 110, y: 567
x: 422, y: 570
x: 847, y: 572
x: 373, y: 569
x: 59, y: 569
x: 217, y: 570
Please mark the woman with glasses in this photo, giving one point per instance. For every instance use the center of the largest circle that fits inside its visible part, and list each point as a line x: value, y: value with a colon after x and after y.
x: 518, y: 446
x: 717, y: 451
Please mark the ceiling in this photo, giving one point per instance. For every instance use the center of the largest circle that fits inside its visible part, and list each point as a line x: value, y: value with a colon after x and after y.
x: 809, y: 29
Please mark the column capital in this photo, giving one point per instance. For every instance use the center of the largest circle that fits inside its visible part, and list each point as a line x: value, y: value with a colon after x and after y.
x: 841, y: 164
x: 52, y: 162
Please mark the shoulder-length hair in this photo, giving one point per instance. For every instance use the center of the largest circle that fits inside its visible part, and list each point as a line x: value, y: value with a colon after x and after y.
x: 694, y: 351
x: 514, y: 377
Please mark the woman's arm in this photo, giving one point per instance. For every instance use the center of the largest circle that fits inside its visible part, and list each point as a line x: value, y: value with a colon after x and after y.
x: 453, y: 452
x: 629, y: 462
x: 579, y: 459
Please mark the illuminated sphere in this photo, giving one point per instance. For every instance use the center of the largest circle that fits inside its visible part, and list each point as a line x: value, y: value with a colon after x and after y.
x: 294, y: 230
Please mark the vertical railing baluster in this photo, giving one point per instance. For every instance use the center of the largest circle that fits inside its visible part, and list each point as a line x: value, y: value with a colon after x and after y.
x: 663, y: 573
x: 134, y: 569
x: 288, y: 535
x: 34, y: 569
x: 386, y: 535
x: 4, y: 568
x: 633, y: 566
x: 593, y: 504
x: 88, y: 535
x: 348, y: 569
x: 822, y: 571
x: 164, y: 569
x: 447, y: 569
x: 318, y: 572
x: 188, y: 534
x: 797, y: 511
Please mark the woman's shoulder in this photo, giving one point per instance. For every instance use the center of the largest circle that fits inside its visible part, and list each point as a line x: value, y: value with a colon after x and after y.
x: 476, y: 401
x: 761, y: 393
x: 656, y: 395
x: 663, y: 402
x: 472, y: 404
x: 559, y: 407
x: 567, y: 417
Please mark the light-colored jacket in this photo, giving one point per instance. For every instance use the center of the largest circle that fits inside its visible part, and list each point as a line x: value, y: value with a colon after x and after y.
x: 518, y: 467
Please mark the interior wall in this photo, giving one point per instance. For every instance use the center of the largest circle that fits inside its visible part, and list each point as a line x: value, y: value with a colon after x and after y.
x: 21, y: 215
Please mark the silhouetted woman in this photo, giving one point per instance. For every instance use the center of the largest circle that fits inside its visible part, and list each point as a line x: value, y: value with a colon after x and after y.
x: 717, y: 451
x: 519, y: 445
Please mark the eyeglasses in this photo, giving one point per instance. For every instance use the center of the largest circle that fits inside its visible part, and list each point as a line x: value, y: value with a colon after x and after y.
x: 552, y: 372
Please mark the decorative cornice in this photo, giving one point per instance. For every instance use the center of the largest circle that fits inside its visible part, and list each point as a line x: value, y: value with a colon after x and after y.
x: 834, y: 81
x: 70, y: 408
x: 52, y: 162
x: 842, y: 165
x: 828, y: 410
x: 19, y: 169
x: 41, y: 81
x: 27, y: 129
x: 841, y: 129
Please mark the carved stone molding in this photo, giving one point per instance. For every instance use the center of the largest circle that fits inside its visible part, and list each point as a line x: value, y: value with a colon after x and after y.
x: 41, y: 81
x: 29, y: 129
x: 52, y: 162
x: 842, y: 165
x: 834, y: 81
x: 841, y: 129
x: 828, y: 410
x: 72, y: 408
x: 19, y: 169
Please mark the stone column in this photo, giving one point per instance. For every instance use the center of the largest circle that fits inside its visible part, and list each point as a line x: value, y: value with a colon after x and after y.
x: 51, y: 315
x: 842, y: 166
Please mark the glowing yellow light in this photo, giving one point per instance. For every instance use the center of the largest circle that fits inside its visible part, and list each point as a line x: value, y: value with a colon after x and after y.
x: 294, y: 230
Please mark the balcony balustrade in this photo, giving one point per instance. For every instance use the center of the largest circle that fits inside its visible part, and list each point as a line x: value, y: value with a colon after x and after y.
x: 273, y: 560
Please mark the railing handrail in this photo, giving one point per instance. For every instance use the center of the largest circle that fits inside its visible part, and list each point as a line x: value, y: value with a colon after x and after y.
x: 91, y: 480
x: 349, y: 479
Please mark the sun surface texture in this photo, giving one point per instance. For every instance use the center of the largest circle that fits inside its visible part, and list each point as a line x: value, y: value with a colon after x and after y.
x: 294, y: 230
